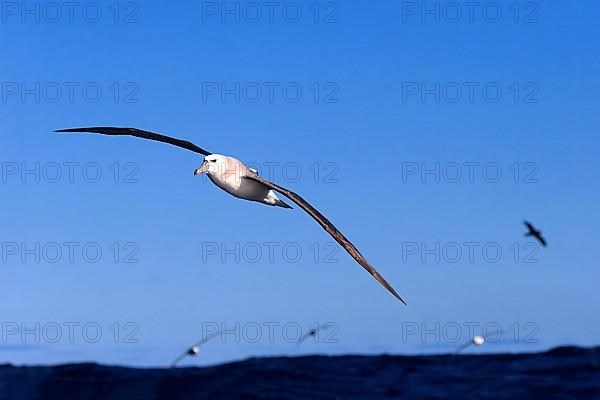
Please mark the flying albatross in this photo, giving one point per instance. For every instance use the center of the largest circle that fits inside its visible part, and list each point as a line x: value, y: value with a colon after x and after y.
x: 237, y: 179
x: 531, y: 231
x: 195, y: 349
x: 311, y: 333
x: 478, y: 340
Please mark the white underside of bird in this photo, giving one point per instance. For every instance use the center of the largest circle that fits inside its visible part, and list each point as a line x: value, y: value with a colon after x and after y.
x: 228, y: 173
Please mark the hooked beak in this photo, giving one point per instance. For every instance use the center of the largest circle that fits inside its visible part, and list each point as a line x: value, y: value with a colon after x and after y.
x: 203, y: 169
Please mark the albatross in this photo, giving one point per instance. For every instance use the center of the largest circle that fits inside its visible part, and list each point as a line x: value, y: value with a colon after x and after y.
x: 239, y: 180
x: 311, y: 333
x: 195, y: 349
x: 478, y: 340
x: 531, y: 231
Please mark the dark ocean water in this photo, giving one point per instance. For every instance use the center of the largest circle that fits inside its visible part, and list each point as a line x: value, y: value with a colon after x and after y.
x: 563, y: 373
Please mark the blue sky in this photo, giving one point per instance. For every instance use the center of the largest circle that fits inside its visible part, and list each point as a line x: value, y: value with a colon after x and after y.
x: 385, y: 95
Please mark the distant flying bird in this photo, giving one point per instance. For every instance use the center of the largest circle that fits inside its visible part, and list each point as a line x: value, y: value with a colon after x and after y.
x: 310, y: 333
x: 195, y: 349
x: 535, y: 233
x: 477, y: 341
x: 237, y: 179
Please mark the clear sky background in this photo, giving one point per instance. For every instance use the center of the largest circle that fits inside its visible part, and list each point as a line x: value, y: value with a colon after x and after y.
x: 355, y: 145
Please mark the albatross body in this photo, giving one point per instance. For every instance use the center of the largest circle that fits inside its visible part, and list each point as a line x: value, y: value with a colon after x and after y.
x: 237, y: 179
x: 230, y: 174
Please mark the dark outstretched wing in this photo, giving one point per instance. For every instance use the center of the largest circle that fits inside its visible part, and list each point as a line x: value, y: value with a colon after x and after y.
x: 541, y: 239
x: 463, y: 347
x: 178, y: 359
x: 210, y: 337
x: 104, y: 130
x: 494, y: 333
x: 331, y: 229
x: 529, y: 226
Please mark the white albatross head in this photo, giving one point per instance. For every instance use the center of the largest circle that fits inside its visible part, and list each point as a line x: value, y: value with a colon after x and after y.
x: 212, y: 164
